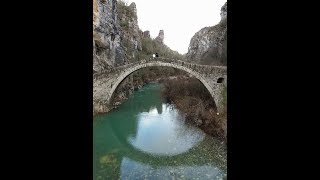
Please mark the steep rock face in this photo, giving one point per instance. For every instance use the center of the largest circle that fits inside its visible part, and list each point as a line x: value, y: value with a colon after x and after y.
x: 223, y: 13
x: 107, y: 49
x: 130, y: 32
x: 209, y: 45
x: 146, y: 34
x: 160, y: 37
x: 116, y: 34
x: 117, y: 40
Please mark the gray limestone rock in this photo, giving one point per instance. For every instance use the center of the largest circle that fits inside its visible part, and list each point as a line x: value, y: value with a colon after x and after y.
x: 209, y: 45
x: 146, y: 34
x: 160, y: 37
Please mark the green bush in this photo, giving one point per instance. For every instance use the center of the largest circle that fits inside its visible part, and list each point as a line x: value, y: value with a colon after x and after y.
x: 125, y: 10
x: 124, y: 25
x: 148, y: 46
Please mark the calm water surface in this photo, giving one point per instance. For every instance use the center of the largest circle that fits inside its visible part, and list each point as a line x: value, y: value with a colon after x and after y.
x: 145, y: 138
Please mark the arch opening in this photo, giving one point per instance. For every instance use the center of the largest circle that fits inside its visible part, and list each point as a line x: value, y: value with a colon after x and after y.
x: 131, y: 70
x: 220, y: 80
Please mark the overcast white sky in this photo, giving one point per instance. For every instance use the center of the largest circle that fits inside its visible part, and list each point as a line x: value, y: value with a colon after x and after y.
x: 180, y: 19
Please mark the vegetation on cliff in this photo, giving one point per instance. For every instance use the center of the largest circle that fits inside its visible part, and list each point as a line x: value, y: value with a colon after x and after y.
x: 151, y: 46
x: 126, y: 10
x: 209, y: 45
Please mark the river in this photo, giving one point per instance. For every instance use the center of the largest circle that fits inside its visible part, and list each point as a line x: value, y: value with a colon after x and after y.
x: 146, y: 138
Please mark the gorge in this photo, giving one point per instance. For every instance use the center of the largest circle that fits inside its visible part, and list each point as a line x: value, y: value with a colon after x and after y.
x: 132, y: 89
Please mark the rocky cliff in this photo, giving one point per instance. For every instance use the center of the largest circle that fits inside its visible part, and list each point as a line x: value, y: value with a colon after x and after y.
x: 209, y: 45
x: 131, y: 34
x: 116, y: 34
x: 107, y: 50
x: 118, y: 40
x: 160, y: 37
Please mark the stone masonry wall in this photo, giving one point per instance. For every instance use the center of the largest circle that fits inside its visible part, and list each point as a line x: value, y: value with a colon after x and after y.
x: 106, y: 83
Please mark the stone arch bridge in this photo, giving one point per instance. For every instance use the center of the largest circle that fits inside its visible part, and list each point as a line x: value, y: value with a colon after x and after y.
x: 214, y: 78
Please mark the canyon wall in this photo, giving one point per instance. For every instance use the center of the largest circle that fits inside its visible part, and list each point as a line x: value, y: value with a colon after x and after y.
x: 209, y: 45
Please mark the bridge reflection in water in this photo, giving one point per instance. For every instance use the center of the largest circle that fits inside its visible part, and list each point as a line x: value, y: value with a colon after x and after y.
x: 154, y: 143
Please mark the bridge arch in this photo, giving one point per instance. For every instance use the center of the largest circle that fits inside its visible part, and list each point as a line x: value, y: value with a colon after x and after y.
x: 136, y: 67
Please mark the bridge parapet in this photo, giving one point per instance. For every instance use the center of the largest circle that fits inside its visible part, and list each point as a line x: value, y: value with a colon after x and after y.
x: 204, y: 70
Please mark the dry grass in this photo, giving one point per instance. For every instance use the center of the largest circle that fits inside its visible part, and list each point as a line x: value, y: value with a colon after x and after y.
x: 192, y: 98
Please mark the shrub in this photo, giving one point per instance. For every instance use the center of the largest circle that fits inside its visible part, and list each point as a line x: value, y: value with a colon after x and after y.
x: 147, y: 46
x: 124, y: 25
x: 192, y: 98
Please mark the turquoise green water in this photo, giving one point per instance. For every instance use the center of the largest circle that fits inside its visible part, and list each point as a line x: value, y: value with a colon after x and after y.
x: 145, y: 138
